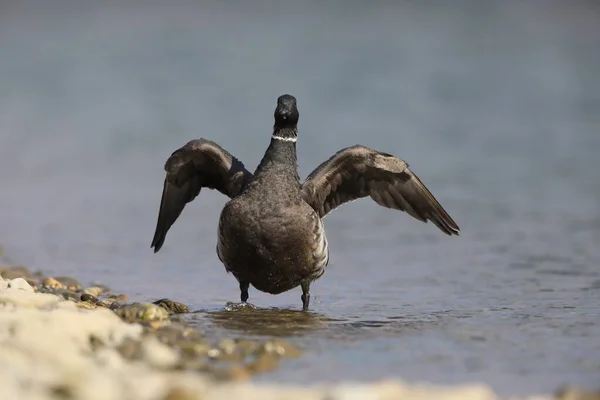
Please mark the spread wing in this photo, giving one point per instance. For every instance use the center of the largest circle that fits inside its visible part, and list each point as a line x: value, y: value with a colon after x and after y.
x: 358, y: 171
x: 200, y: 163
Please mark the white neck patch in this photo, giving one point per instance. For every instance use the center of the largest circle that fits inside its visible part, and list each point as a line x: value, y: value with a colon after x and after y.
x: 285, y: 139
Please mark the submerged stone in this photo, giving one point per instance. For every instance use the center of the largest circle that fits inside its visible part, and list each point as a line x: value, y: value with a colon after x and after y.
x: 281, y: 348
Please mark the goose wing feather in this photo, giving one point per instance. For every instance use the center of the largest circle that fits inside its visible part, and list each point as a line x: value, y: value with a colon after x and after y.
x: 199, y: 163
x: 356, y: 172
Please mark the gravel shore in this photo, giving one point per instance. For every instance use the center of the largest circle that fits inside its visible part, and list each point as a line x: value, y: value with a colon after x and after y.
x: 60, y: 340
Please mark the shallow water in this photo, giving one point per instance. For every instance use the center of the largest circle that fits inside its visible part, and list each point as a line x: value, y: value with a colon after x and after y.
x: 494, y: 106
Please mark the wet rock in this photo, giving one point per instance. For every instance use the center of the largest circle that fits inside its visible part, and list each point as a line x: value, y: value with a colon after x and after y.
x: 19, y: 284
x: 69, y: 283
x: 53, y: 283
x: 172, y: 306
x: 143, y: 312
x: 15, y: 272
x: 94, y: 291
x: 85, y: 304
x: 107, y: 304
x: 67, y: 294
x: 117, y: 297
x: 61, y: 292
x: 88, y: 298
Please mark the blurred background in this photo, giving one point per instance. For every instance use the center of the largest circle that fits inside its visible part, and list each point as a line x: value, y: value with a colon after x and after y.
x: 494, y: 104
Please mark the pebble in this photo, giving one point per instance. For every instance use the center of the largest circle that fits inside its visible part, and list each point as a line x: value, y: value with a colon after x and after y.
x: 69, y: 283
x: 89, y: 298
x: 172, y: 306
x: 19, y: 284
x: 143, y: 312
x: 85, y: 304
x: 53, y: 283
x: 64, y: 293
x: 95, y: 290
x: 107, y: 304
x: 118, y: 297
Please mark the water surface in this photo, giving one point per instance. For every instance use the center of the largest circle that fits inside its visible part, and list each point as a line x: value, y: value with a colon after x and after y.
x: 494, y: 105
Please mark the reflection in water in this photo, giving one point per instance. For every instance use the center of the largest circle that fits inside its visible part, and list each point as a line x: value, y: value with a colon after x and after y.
x: 290, y: 323
x: 263, y: 321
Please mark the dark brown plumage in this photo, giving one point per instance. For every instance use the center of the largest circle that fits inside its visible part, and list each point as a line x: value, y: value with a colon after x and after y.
x: 270, y: 233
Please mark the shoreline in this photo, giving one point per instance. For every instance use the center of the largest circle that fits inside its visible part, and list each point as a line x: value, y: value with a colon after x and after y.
x: 61, y: 340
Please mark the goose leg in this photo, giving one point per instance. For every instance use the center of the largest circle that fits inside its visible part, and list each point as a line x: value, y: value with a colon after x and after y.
x: 244, y: 291
x: 305, y: 295
x: 244, y: 285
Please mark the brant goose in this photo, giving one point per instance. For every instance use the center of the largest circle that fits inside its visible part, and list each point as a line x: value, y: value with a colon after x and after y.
x: 270, y: 233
